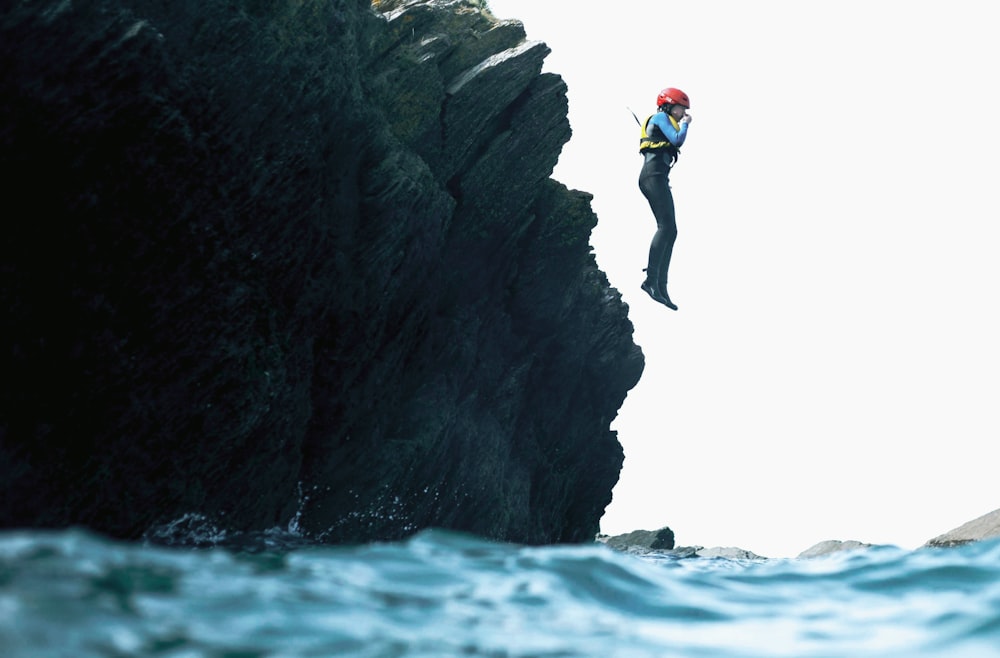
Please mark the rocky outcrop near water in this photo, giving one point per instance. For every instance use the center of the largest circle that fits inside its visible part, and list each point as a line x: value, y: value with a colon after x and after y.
x: 986, y: 526
x: 832, y: 546
x: 661, y: 542
x: 662, y: 539
x: 273, y: 264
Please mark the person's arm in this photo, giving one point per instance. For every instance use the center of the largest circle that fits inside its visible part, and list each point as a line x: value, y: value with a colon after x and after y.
x: 675, y: 136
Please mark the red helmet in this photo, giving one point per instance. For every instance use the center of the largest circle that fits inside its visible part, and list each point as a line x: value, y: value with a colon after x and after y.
x: 671, y: 96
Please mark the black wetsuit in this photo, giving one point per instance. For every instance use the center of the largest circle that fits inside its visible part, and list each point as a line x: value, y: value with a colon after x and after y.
x: 654, y: 182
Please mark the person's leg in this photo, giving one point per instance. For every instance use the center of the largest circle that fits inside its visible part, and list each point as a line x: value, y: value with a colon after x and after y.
x: 661, y: 202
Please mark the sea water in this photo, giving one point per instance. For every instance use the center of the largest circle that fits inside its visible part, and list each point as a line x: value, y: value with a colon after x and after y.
x: 76, y: 594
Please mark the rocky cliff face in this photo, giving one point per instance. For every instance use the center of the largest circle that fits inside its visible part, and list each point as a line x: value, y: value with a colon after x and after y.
x: 266, y: 261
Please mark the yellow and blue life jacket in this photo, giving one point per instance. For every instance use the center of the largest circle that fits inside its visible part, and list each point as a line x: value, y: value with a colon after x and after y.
x: 656, y: 142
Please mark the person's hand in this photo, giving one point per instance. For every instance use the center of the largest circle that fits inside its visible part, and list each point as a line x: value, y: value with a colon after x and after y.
x: 686, y: 118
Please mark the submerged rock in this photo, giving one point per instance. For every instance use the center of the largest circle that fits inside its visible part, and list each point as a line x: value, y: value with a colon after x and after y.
x: 298, y: 261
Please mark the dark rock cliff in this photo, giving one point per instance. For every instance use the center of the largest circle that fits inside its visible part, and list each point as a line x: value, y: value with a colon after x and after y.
x: 275, y: 260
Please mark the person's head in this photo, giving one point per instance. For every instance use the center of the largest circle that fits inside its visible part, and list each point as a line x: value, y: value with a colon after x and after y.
x: 674, y: 101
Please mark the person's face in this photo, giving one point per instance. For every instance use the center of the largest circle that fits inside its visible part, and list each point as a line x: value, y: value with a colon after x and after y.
x: 677, y: 111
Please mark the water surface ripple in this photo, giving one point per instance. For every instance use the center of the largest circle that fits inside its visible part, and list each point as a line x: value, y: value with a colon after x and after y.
x: 442, y: 594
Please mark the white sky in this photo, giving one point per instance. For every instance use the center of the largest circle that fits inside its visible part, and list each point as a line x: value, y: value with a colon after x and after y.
x: 832, y: 372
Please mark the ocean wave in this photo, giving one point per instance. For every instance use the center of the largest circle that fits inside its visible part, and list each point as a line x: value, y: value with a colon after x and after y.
x: 440, y: 594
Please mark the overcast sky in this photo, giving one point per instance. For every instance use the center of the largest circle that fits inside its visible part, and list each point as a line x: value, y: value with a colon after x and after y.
x: 832, y: 372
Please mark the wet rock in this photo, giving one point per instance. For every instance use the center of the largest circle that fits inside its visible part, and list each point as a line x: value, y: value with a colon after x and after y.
x: 662, y: 539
